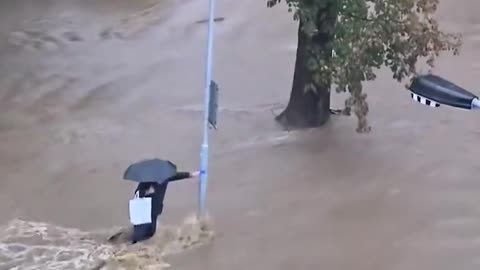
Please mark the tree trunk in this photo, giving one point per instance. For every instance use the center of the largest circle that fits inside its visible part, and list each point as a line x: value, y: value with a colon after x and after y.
x: 307, y: 109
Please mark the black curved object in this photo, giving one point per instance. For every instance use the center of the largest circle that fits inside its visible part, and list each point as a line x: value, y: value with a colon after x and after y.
x: 442, y: 91
x: 150, y: 170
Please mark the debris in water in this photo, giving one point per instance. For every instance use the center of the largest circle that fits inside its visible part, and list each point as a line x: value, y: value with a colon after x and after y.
x: 72, y: 36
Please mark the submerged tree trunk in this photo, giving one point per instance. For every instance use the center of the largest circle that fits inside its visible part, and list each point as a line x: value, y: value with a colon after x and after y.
x: 308, y: 108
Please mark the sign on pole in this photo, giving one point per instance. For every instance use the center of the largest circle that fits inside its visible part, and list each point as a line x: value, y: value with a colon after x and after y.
x: 213, y: 105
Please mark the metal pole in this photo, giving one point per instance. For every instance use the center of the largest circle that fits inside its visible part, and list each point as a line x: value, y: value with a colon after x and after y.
x: 202, y: 196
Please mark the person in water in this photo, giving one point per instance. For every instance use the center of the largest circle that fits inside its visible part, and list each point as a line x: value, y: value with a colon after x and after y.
x: 156, y: 192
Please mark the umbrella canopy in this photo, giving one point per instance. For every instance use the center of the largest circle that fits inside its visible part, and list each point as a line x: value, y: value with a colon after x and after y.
x: 150, y: 170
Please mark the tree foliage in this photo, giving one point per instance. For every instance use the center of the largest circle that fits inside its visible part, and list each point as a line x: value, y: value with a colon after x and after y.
x: 366, y: 35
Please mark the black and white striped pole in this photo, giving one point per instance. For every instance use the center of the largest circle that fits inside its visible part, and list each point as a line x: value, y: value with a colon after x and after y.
x: 433, y: 91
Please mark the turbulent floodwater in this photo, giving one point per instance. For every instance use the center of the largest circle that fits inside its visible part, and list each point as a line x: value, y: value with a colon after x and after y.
x: 51, y: 29
x: 89, y: 87
x: 34, y: 245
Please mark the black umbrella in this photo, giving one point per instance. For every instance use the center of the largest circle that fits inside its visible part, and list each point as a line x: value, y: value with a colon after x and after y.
x: 150, y: 170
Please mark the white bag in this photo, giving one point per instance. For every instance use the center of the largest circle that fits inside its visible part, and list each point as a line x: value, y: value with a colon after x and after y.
x: 140, y: 210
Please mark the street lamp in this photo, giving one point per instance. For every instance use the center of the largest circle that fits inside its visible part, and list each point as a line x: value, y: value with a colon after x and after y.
x: 433, y: 91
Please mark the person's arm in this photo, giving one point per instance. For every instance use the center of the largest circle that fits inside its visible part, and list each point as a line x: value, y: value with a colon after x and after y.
x: 182, y: 175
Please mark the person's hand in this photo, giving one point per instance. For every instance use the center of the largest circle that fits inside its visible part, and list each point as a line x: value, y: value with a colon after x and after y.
x: 195, y: 174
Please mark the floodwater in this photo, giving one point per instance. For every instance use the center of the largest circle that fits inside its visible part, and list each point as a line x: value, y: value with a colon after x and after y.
x: 87, y: 87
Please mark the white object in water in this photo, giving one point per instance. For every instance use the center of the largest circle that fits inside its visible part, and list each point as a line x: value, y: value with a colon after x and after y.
x: 140, y: 210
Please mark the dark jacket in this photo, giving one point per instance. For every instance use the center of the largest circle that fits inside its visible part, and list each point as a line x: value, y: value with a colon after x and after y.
x: 145, y: 231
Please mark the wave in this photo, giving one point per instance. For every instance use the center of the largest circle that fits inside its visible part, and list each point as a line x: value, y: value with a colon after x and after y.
x: 26, y: 245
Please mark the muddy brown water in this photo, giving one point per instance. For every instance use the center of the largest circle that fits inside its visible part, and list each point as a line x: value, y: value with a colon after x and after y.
x: 87, y: 87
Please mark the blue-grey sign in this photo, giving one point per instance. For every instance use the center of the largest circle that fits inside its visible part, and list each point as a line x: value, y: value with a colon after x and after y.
x: 213, y: 105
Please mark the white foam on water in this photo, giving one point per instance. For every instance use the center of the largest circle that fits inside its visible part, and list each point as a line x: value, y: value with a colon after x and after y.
x: 34, y: 245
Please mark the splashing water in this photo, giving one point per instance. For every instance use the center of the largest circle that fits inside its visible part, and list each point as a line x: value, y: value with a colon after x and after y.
x: 34, y: 245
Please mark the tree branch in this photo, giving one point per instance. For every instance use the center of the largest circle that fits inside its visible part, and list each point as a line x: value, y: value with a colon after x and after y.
x: 353, y: 16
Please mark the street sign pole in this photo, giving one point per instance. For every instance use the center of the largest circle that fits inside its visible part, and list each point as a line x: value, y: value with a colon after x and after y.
x: 202, y: 190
